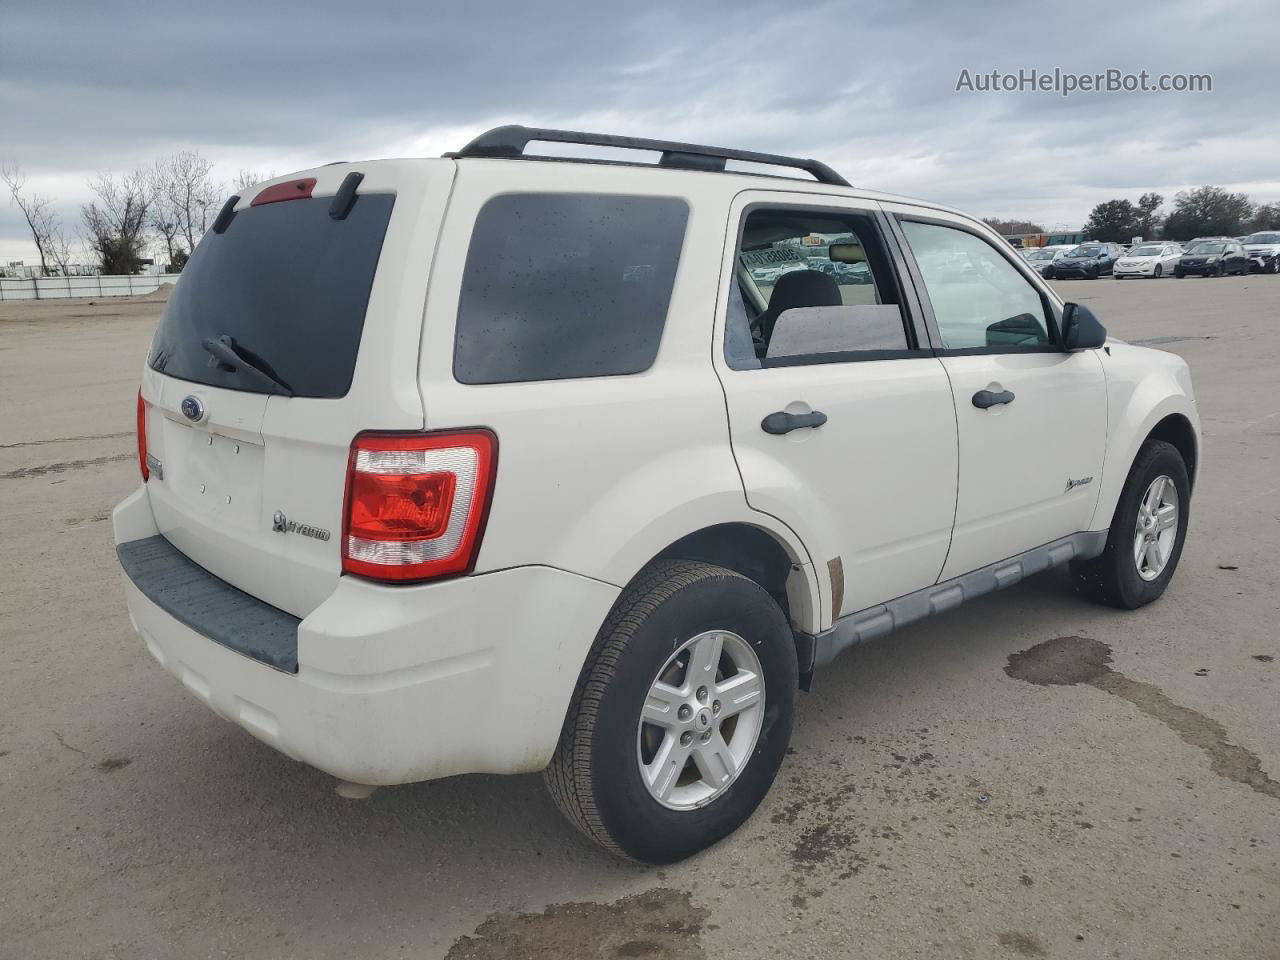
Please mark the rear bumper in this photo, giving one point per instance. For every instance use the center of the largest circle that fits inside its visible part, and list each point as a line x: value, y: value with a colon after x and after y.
x: 398, y: 684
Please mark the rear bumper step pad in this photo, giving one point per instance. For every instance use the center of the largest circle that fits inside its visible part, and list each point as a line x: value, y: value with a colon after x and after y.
x: 210, y: 606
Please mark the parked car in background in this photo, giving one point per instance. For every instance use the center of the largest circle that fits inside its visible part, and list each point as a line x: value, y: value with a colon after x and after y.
x: 1213, y: 258
x: 1148, y: 260
x: 1040, y: 258
x: 1263, y: 251
x: 1088, y: 261
x: 843, y: 273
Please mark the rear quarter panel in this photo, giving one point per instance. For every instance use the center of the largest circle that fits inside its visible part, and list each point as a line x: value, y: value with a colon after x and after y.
x: 598, y: 475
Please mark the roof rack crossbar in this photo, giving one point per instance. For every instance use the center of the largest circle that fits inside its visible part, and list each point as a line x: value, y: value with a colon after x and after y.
x: 510, y: 142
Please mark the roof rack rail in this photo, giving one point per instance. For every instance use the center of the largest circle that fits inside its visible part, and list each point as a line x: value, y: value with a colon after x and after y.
x: 510, y: 142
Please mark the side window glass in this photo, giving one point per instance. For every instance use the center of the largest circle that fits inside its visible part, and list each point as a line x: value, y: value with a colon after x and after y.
x: 980, y: 300
x: 811, y: 287
x: 563, y: 285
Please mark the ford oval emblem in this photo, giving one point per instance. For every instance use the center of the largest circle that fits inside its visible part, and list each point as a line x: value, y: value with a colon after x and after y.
x: 192, y: 409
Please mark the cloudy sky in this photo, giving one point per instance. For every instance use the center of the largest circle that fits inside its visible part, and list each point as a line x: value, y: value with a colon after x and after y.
x: 870, y: 87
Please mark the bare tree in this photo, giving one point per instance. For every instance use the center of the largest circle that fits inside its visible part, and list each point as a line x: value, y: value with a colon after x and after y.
x: 164, y: 217
x: 44, y: 224
x: 189, y: 195
x: 58, y: 247
x: 117, y: 221
x: 248, y: 178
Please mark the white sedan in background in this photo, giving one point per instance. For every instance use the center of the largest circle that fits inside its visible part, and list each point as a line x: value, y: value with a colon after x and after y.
x: 1148, y: 260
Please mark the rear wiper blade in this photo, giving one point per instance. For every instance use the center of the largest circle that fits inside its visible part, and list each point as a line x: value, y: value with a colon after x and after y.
x: 232, y: 357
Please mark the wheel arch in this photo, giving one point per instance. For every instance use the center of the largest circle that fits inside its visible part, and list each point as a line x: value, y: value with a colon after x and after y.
x: 1172, y: 419
x: 768, y: 557
x: 760, y: 555
x: 1176, y: 429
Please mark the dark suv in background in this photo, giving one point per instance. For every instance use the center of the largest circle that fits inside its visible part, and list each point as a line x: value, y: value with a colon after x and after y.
x: 1086, y: 262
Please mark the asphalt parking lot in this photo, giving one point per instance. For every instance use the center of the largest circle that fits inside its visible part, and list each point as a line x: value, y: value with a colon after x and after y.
x: 1112, y: 792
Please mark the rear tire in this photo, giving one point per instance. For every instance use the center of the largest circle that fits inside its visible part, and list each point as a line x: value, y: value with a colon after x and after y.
x: 609, y: 754
x: 1124, y: 574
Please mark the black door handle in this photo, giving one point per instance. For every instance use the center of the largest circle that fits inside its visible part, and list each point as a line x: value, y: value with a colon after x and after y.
x: 783, y: 422
x: 986, y: 398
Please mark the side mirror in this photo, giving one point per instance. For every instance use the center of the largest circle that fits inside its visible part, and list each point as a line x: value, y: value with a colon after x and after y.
x: 1081, y: 329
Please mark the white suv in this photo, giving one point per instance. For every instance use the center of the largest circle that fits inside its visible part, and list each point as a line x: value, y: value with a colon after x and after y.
x: 503, y: 463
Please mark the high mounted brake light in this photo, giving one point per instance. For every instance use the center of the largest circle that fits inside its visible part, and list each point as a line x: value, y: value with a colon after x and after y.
x: 142, y: 437
x: 289, y: 190
x: 416, y: 503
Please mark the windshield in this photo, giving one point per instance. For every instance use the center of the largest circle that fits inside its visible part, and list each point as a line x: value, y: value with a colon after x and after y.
x: 1208, y: 248
x: 1263, y: 238
x: 1145, y: 251
x: 284, y: 289
x: 1042, y: 254
x: 1086, y: 250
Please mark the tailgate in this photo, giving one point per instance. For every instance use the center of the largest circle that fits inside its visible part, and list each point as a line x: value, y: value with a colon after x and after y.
x: 322, y: 314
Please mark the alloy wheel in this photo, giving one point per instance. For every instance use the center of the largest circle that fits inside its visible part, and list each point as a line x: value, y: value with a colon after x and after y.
x: 701, y: 719
x: 1156, y: 530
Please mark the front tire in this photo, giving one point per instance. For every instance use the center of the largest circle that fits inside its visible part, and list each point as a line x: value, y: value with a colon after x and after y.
x: 682, y: 714
x: 1158, y: 272
x: 1147, y: 532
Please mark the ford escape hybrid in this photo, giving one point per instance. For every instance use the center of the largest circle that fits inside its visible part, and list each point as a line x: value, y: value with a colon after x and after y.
x: 502, y: 463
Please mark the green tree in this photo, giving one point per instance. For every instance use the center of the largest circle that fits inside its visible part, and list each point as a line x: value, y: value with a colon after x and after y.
x: 1148, y: 222
x: 1266, y: 217
x: 1112, y: 220
x: 1208, y: 212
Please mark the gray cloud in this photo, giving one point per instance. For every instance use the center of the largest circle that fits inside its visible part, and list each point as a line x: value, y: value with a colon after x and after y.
x: 869, y: 88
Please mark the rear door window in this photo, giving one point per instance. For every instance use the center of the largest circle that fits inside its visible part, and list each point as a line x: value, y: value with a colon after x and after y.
x: 813, y: 286
x: 289, y: 285
x: 565, y: 285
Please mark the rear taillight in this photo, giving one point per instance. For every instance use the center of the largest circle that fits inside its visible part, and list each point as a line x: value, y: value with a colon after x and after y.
x: 416, y: 503
x: 142, y: 437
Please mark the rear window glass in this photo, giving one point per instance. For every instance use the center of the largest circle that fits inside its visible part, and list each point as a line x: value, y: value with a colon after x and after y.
x: 289, y: 286
x: 562, y: 285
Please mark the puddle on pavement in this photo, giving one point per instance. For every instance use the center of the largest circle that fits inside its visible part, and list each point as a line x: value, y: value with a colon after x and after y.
x: 1067, y: 661
x: 659, y: 924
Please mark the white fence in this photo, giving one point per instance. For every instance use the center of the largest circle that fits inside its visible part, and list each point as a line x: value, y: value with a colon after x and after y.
x: 64, y: 288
